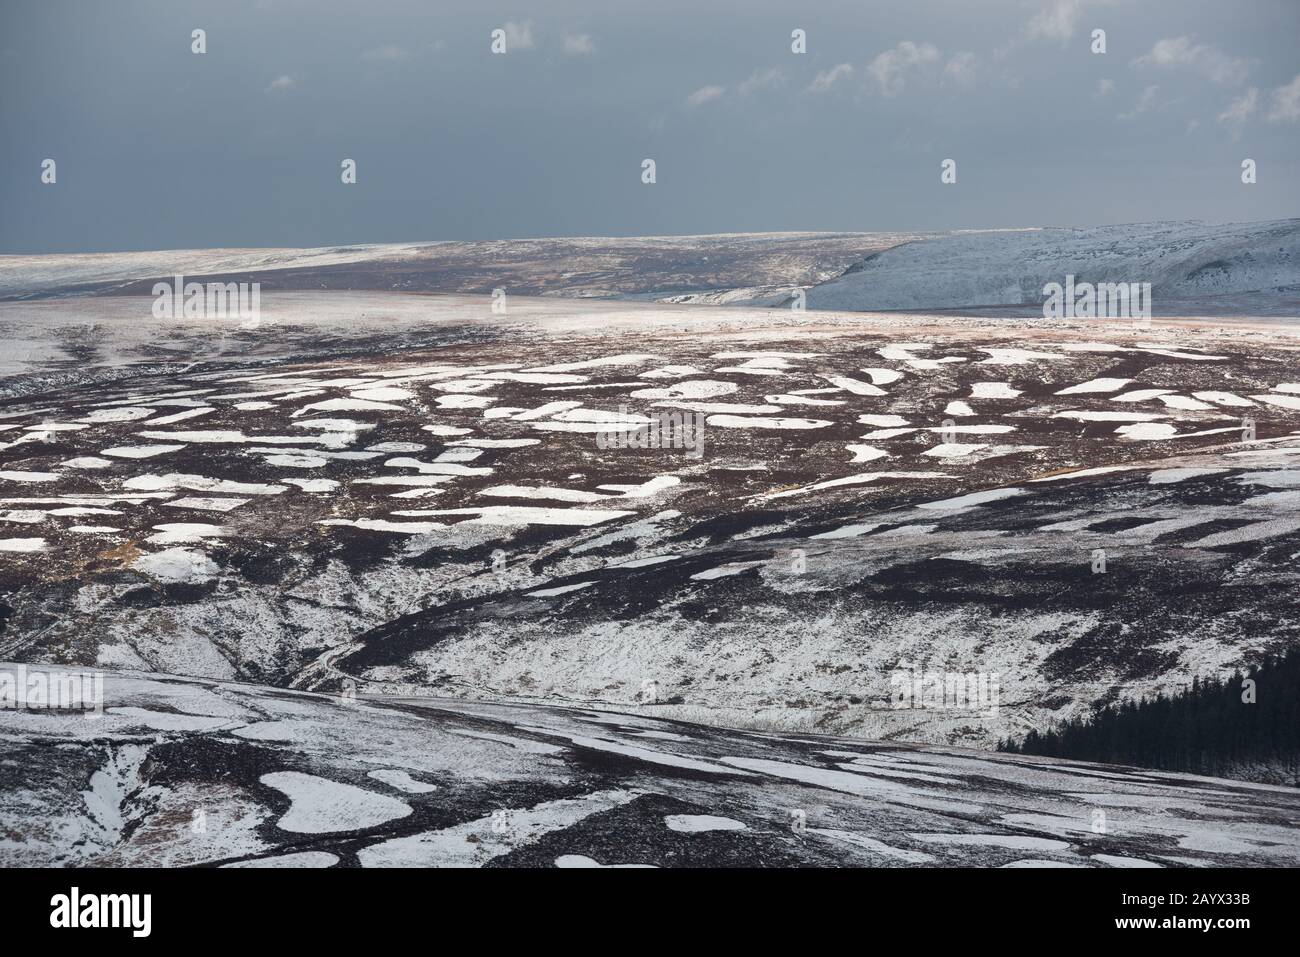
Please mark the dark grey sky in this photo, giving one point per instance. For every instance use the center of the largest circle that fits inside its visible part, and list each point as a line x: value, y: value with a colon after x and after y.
x: 160, y: 148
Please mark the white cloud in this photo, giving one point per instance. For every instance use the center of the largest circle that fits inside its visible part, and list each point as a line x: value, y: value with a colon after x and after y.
x: 285, y: 82
x: 704, y: 94
x: 519, y: 36
x: 1105, y: 87
x: 1203, y: 58
x: 888, y: 68
x: 1055, y: 21
x: 761, y: 80
x: 1058, y: 21
x: 389, y: 52
x: 826, y: 79
x: 579, y: 44
x: 1242, y: 108
x: 1286, y: 103
x: 1145, y: 104
x: 961, y: 68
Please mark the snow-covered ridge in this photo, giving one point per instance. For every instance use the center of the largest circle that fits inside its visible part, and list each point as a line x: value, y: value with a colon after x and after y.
x: 1181, y: 261
x: 28, y: 275
x: 1194, y: 268
x: 638, y: 266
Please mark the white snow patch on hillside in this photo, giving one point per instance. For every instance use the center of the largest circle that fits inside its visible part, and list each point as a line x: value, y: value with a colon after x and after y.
x: 176, y: 565
x: 1096, y: 385
x: 993, y: 390
x: 321, y: 806
x: 698, y: 823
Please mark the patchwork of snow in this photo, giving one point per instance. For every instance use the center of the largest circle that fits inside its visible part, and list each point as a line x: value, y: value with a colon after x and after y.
x: 725, y: 571
x: 350, y: 405
x: 856, y: 386
x: 173, y: 532
x: 1140, y: 395
x: 178, y: 416
x: 559, y: 590
x: 859, y: 479
x: 648, y: 755
x: 1089, y: 415
x: 794, y: 399
x: 883, y: 376
x: 402, y: 780
x: 851, y: 783
x: 974, y: 498
x: 383, y: 525
x: 1147, y: 431
x: 460, y: 401
x: 437, y: 468
x: 321, y: 806
x: 689, y: 389
x: 952, y: 450
x: 1016, y: 357
x: 312, y: 484
x: 199, y: 483
x: 1183, y: 402
x: 1285, y: 401
x: 993, y: 390
x: 872, y: 845
x: 582, y: 861
x: 527, y: 515
x: 672, y: 372
x: 849, y: 531
x: 127, y: 414
x: 1167, y: 476
x: 22, y: 544
x: 758, y: 422
x: 973, y: 429
x: 1223, y: 398
x: 618, y: 360
x: 699, y: 823
x: 207, y: 504
x: 865, y: 453
x: 1082, y: 473
x: 479, y: 841
x: 644, y: 562
x: 383, y: 394
x: 1015, y: 841
x: 299, y: 859
x: 141, y: 451
x: 176, y: 565
x: 1095, y: 385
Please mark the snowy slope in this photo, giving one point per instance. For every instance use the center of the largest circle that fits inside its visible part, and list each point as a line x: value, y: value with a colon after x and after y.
x: 180, y: 772
x: 638, y: 266
x: 320, y: 500
x: 1194, y: 268
x: 22, y: 276
x: 1182, y: 261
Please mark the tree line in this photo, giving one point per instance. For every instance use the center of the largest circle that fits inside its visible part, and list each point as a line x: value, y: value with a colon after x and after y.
x: 1246, y: 727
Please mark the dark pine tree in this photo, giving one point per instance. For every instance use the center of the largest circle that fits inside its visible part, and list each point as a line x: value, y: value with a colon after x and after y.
x: 1210, y: 727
